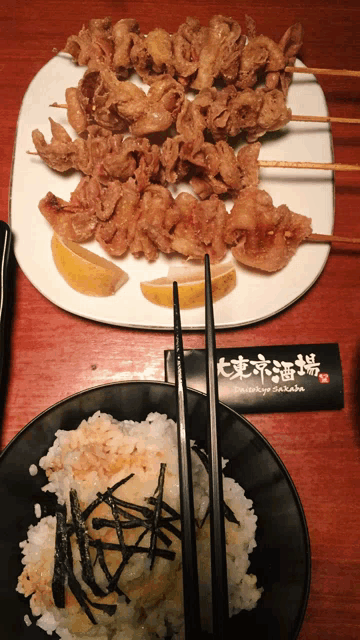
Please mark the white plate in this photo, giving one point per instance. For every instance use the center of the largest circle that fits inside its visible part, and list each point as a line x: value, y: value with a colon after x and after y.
x: 256, y: 296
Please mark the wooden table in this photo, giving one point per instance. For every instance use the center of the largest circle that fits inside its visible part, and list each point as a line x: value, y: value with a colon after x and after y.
x: 55, y: 354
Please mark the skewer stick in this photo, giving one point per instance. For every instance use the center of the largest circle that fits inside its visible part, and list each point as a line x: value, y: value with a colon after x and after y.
x: 323, y: 119
x: 320, y: 237
x: 335, y: 166
x: 323, y: 72
x: 58, y: 105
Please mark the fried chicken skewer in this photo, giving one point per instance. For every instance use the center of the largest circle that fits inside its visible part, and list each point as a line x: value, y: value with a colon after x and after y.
x: 195, y: 55
x: 211, y: 169
x: 293, y: 118
x: 123, y: 218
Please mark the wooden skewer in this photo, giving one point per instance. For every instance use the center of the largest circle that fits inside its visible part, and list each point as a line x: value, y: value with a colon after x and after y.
x: 58, y: 105
x: 320, y: 237
x: 335, y: 166
x: 324, y: 72
x: 324, y: 119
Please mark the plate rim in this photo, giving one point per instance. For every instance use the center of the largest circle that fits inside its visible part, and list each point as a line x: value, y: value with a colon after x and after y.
x: 189, y: 326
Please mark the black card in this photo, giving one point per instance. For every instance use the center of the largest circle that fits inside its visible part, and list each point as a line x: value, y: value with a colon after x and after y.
x: 278, y: 378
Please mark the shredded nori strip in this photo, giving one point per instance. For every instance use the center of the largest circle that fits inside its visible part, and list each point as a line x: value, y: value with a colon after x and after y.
x: 61, y: 547
x: 159, y: 491
x: 99, y: 523
x: 228, y: 513
x: 82, y: 537
x: 134, y: 548
x: 166, y: 522
x: 166, y: 507
x: 80, y: 596
x: 99, y: 545
x: 83, y: 599
x: 118, y: 524
x: 100, y: 497
x: 145, y: 511
x: 116, y: 577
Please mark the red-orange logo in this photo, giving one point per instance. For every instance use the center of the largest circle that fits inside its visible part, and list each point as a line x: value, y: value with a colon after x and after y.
x: 324, y: 378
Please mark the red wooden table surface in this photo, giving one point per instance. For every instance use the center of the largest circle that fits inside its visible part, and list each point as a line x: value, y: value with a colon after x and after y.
x: 55, y: 354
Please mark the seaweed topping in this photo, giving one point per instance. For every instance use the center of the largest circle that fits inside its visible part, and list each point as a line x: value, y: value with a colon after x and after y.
x: 61, y: 548
x: 228, y: 513
x: 125, y: 516
x: 83, y: 599
x: 82, y: 537
x: 166, y: 522
x: 159, y: 491
x: 100, y: 546
x: 99, y: 523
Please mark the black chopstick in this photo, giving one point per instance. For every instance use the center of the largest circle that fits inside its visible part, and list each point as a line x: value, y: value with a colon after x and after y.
x: 220, y: 606
x: 188, y: 537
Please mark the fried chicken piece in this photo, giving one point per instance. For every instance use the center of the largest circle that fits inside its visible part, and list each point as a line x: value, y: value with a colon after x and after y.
x: 62, y: 153
x: 126, y: 33
x: 227, y: 172
x: 163, y: 103
x: 174, y: 168
x: 59, y: 153
x: 247, y: 159
x: 191, y: 123
x: 220, y: 52
x: 135, y: 157
x: 76, y: 115
x: 152, y: 56
x: 290, y: 44
x: 103, y: 155
x: 75, y: 220
x: 187, y: 42
x: 200, y: 228
x: 93, y: 46
x: 228, y: 112
x: 121, y: 105
x: 233, y: 111
x: 260, y: 54
x: 204, y: 157
x: 168, y: 93
x: 273, y: 115
x: 261, y: 235
x: 156, y: 218
x: 117, y: 233
x: 95, y: 97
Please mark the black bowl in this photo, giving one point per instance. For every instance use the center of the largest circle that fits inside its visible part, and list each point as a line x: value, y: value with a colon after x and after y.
x: 281, y: 560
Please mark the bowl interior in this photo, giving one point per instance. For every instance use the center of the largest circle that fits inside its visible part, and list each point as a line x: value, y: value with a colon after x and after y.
x: 281, y: 560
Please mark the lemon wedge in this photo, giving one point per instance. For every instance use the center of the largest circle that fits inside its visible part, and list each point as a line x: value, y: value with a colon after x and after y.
x: 191, y: 285
x: 85, y: 271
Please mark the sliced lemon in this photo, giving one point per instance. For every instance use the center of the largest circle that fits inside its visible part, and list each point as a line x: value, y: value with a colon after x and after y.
x: 85, y: 271
x: 191, y: 285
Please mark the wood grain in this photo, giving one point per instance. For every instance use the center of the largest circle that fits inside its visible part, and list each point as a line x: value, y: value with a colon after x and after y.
x: 54, y: 354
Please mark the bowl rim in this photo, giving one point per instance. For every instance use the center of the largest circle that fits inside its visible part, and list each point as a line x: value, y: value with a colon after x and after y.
x: 240, y: 418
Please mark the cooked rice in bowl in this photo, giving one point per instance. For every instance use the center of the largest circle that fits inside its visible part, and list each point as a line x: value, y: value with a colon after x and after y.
x: 140, y: 460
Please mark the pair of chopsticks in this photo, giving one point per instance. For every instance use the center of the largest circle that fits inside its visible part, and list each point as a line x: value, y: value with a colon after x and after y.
x: 220, y: 606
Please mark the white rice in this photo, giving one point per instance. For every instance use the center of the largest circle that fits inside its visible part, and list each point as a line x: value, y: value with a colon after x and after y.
x: 37, y: 510
x: 33, y: 470
x: 27, y: 621
x: 93, y: 457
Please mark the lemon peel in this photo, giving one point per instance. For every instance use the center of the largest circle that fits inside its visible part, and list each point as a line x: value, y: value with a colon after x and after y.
x: 191, y: 285
x: 84, y: 270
